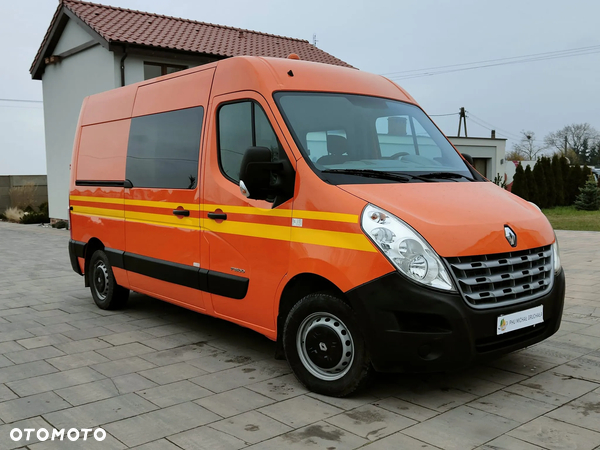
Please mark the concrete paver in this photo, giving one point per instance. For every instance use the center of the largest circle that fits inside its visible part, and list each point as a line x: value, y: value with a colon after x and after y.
x: 156, y: 376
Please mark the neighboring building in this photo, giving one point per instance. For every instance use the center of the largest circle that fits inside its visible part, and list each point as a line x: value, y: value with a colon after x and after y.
x: 7, y: 182
x: 91, y: 48
x: 488, y: 154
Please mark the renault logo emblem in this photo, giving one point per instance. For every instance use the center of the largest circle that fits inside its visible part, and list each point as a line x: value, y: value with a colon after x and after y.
x: 510, y: 236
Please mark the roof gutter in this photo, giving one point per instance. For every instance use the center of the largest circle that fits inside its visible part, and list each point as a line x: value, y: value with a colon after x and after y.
x: 123, y: 65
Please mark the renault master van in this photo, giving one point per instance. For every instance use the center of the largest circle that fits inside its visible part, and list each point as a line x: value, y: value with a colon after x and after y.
x: 317, y: 205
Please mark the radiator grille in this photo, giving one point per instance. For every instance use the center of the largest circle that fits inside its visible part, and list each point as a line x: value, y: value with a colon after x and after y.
x: 501, y: 279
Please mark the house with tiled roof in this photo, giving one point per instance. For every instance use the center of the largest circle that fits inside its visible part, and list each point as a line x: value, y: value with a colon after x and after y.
x: 91, y: 48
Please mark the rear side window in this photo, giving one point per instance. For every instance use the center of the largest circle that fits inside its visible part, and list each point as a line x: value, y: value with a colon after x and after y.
x: 163, y: 149
x: 243, y: 125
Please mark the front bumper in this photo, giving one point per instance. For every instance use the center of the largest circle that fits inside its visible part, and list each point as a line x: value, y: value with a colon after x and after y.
x: 408, y: 327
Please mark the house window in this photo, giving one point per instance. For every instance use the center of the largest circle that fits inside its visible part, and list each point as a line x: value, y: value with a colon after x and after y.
x: 163, y: 149
x: 153, y: 70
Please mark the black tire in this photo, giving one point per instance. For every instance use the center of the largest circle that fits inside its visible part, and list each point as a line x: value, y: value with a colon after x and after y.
x: 106, y: 292
x: 324, y: 346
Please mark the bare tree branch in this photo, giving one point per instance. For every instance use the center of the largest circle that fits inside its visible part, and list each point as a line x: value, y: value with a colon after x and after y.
x: 527, y: 146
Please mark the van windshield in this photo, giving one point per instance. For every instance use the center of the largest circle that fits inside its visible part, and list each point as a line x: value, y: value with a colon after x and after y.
x: 369, y: 137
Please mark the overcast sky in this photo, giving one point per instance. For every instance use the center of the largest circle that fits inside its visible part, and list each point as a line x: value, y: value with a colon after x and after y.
x: 376, y: 36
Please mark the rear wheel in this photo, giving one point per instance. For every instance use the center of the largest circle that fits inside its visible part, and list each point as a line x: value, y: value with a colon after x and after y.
x: 106, y: 292
x: 324, y: 346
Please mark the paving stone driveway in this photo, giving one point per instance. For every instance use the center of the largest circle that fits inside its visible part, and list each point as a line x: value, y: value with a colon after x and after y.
x: 161, y: 377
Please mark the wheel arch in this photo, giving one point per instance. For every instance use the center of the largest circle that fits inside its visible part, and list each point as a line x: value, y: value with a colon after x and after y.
x: 92, y: 245
x: 299, y: 286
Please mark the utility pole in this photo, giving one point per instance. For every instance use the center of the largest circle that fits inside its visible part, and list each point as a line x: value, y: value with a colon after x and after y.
x: 315, y: 39
x: 566, y: 143
x: 462, y: 118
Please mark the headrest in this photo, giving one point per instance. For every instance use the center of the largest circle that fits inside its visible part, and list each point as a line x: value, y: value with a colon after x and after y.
x: 337, y: 145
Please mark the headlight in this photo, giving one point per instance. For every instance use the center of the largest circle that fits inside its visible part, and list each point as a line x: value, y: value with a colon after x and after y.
x: 556, y: 255
x: 405, y: 248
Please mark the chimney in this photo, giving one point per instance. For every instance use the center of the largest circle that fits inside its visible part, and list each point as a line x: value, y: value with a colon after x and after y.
x: 493, y: 134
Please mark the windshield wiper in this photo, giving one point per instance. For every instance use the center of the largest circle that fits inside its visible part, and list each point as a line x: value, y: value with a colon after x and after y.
x: 446, y: 175
x: 369, y: 173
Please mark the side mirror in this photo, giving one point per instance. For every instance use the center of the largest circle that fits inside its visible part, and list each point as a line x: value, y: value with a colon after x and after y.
x: 469, y: 158
x: 263, y: 179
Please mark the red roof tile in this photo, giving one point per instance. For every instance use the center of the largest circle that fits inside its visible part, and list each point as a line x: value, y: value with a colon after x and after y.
x: 118, y: 25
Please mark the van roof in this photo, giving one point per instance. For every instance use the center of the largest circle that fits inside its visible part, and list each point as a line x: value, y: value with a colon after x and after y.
x: 252, y: 73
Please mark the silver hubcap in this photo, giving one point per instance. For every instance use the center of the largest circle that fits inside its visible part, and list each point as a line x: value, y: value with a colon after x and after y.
x: 101, y: 280
x: 325, y: 346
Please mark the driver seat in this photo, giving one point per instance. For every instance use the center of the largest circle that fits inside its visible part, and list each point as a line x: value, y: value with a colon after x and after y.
x: 337, y: 147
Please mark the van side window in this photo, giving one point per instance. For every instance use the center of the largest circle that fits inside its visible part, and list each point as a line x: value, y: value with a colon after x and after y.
x: 241, y: 126
x: 163, y: 149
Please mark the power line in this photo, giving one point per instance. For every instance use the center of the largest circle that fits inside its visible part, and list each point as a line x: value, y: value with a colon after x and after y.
x: 489, y: 126
x: 493, y: 127
x: 440, y: 115
x: 494, y: 60
x: 417, y: 73
x: 19, y: 100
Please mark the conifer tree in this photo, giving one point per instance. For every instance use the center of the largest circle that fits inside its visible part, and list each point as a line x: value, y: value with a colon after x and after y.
x: 573, y: 182
x: 550, y: 183
x: 566, y: 170
x: 540, y: 181
x: 531, y: 185
x: 519, y: 186
x: 557, y: 177
x: 589, y: 196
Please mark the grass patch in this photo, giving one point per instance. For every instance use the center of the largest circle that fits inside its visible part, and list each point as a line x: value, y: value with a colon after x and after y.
x: 568, y: 218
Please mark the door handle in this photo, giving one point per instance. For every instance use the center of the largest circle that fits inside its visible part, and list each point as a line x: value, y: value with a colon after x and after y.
x: 181, y: 212
x: 217, y: 216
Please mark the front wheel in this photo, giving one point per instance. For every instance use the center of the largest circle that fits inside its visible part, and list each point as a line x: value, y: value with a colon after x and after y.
x: 324, y: 346
x: 106, y: 292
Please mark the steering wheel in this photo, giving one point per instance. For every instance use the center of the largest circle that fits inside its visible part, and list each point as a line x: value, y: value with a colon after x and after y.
x: 397, y: 155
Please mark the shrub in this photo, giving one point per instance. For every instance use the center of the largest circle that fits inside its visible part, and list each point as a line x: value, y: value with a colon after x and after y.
x: 60, y: 224
x: 558, y: 179
x: 550, y: 182
x: 14, y: 214
x: 22, y: 197
x: 539, y: 178
x: 44, y: 208
x: 35, y: 217
x: 519, y: 186
x: 589, y: 197
x: 573, y: 183
x: 531, y: 186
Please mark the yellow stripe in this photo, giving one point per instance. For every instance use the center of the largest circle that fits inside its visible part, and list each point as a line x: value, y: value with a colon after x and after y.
x: 329, y: 216
x: 105, y: 212
x: 337, y: 239
x: 250, y: 210
x: 162, y: 224
x: 277, y: 232
x: 162, y: 219
x: 147, y: 203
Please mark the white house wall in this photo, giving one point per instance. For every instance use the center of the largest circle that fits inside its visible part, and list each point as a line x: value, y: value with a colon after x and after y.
x: 492, y: 149
x: 72, y: 36
x: 65, y: 85
x: 134, y: 65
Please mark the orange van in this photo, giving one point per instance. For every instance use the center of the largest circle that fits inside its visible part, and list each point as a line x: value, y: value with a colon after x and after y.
x: 317, y: 205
